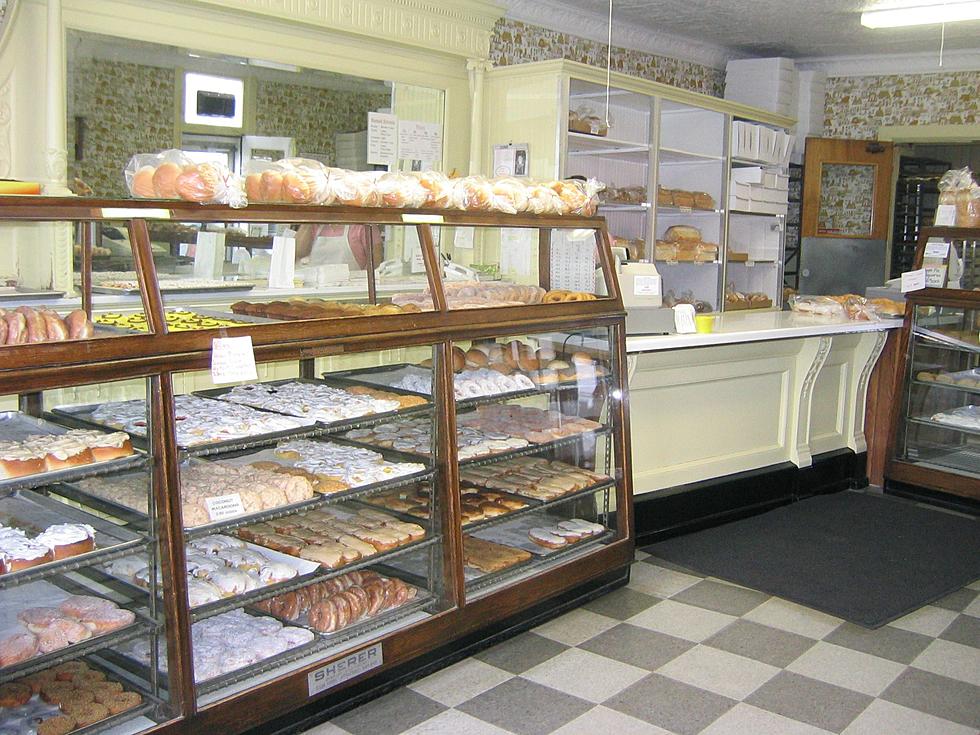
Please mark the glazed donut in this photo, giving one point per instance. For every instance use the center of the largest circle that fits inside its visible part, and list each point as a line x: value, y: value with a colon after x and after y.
x: 553, y: 297
x: 142, y: 184
x: 574, y: 297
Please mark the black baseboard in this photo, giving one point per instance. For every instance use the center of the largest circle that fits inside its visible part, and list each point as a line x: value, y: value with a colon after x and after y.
x: 933, y: 497
x: 332, y: 705
x: 692, y: 507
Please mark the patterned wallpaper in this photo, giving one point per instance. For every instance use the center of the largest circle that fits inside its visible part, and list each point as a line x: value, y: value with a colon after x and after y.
x: 129, y: 108
x: 125, y: 109
x: 846, y: 199
x: 514, y: 42
x: 857, y: 106
x: 312, y: 115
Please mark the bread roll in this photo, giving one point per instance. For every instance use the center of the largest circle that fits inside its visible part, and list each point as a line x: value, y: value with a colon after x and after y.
x: 253, y: 187
x: 476, y: 358
x: 459, y: 359
x: 271, y: 186
x: 142, y: 184
x: 165, y: 180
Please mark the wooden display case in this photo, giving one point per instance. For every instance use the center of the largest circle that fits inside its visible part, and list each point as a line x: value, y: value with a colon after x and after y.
x: 934, y: 429
x: 443, y: 483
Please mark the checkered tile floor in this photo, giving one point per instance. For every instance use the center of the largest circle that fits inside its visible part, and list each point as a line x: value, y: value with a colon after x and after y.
x: 675, y: 652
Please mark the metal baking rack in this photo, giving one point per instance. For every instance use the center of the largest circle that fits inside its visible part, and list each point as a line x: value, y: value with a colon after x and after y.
x: 37, y: 510
x: 16, y: 426
x: 331, y: 426
x: 537, y: 505
x: 129, y: 517
x: 81, y: 416
x: 565, y: 441
x: 382, y: 377
x: 142, y: 625
x: 222, y: 606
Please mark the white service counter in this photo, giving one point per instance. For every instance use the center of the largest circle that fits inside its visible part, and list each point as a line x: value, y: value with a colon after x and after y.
x: 763, y: 388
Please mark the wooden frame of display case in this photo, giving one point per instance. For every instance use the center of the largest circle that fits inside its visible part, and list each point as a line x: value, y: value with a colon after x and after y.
x: 909, y: 473
x: 159, y: 355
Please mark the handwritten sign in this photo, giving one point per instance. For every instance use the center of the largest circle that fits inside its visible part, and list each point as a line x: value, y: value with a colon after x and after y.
x: 232, y: 360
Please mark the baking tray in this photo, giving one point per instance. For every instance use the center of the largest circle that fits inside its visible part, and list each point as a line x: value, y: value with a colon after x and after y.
x: 535, y: 505
x: 231, y: 286
x: 382, y: 377
x: 49, y: 593
x: 125, y: 660
x: 35, y: 511
x: 81, y: 416
x: 128, y: 517
x: 20, y: 293
x: 16, y: 426
x: 217, y: 314
x: 148, y: 704
x: 565, y: 441
x: 329, y: 426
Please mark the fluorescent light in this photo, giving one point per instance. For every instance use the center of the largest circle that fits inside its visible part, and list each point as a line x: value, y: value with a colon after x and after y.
x: 922, y: 15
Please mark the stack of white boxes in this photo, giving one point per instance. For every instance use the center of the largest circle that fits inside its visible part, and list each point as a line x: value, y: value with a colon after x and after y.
x: 771, y: 84
x: 758, y: 189
x: 351, y: 150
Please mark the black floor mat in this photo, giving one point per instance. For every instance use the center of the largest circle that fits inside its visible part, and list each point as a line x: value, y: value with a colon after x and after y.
x: 868, y: 559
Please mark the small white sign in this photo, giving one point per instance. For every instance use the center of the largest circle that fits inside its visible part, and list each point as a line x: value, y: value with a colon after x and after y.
x: 510, y: 160
x: 282, y: 271
x: 419, y: 140
x: 946, y: 215
x: 232, y: 360
x: 341, y: 670
x: 914, y: 280
x: 935, y: 276
x: 209, y: 255
x: 382, y: 139
x: 936, y: 249
x: 515, y: 250
x: 223, y: 507
x: 646, y: 286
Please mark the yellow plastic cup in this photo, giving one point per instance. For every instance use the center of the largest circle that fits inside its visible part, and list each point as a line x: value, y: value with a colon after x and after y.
x: 704, y: 323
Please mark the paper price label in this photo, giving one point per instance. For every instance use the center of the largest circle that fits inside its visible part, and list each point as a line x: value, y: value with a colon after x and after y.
x: 232, y: 360
x: 329, y: 676
x: 936, y: 250
x: 914, y: 280
x: 646, y: 286
x: 946, y: 215
x: 223, y: 507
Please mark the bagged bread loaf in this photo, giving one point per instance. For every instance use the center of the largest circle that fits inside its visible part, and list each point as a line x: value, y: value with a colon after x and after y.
x: 402, y: 190
x: 681, y: 233
x: 356, y: 188
x: 290, y: 181
x: 173, y: 175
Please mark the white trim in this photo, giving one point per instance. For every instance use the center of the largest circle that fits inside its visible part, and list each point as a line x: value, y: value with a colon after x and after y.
x: 880, y: 65
x: 556, y: 16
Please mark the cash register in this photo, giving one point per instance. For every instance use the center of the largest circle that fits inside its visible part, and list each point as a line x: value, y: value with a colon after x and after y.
x: 642, y: 290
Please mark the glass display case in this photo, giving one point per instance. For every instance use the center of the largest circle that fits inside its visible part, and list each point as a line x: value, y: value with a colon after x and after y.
x: 937, y: 434
x: 434, y: 445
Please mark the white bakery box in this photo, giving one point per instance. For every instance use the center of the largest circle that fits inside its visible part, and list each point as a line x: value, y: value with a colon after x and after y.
x: 757, y: 189
x: 758, y: 143
x: 757, y: 237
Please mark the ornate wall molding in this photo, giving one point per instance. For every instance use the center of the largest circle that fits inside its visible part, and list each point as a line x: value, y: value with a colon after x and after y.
x: 594, y: 26
x: 462, y: 28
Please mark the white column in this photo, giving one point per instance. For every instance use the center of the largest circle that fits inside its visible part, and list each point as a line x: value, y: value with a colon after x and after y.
x: 56, y: 107
x: 476, y: 69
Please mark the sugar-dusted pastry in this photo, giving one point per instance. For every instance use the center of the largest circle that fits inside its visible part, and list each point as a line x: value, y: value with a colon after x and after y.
x: 68, y: 539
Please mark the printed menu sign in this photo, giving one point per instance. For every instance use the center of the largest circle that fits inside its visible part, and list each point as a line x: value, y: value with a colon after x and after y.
x: 223, y: 507
x: 382, y: 139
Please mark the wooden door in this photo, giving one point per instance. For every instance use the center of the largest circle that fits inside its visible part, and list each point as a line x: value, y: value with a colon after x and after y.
x: 847, y: 188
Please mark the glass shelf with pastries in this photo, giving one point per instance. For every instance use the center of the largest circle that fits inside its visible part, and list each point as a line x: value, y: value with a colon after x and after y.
x: 63, y: 616
x: 285, y: 544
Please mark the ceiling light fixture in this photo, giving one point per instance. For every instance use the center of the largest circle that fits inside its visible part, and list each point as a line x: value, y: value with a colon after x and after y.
x: 950, y: 12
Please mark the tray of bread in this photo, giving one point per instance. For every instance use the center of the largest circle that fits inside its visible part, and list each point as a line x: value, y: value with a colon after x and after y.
x: 332, y: 407
x: 36, y: 452
x: 536, y: 478
x: 220, y: 568
x: 41, y: 622
x: 968, y: 380
x: 347, y: 605
x: 80, y: 696
x: 337, y: 536
x: 227, y: 647
x: 39, y: 535
x: 543, y: 533
x: 476, y: 505
x: 203, y: 425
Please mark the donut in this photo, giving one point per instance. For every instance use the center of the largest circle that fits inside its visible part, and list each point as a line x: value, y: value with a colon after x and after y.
x: 553, y: 297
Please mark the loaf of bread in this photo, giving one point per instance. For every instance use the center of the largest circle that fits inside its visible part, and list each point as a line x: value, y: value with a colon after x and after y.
x: 682, y: 233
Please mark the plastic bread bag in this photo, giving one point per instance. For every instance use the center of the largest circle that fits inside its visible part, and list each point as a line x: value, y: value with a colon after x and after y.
x: 211, y: 183
x: 402, y: 190
x: 356, y: 188
x: 472, y: 194
x: 968, y: 207
x: 509, y: 195
x: 816, y: 306
x: 290, y: 180
x: 438, y: 187
x: 578, y: 197
x: 154, y: 175
x: 952, y: 182
x: 859, y: 309
x: 542, y: 199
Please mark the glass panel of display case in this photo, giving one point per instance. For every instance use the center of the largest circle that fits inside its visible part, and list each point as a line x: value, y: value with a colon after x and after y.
x: 79, y: 566
x: 533, y: 441
x: 253, y: 273
x: 942, y: 422
x: 515, y: 266
x: 298, y: 495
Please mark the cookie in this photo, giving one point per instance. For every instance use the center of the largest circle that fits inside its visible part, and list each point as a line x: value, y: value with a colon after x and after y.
x: 14, y: 694
x: 67, y: 670
x: 57, y: 725
x: 36, y: 680
x: 123, y: 701
x: 86, y: 713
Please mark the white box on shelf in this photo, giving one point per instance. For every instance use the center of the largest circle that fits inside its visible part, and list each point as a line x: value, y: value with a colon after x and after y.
x: 738, y: 203
x: 740, y: 190
x: 775, y: 180
x: 748, y: 174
